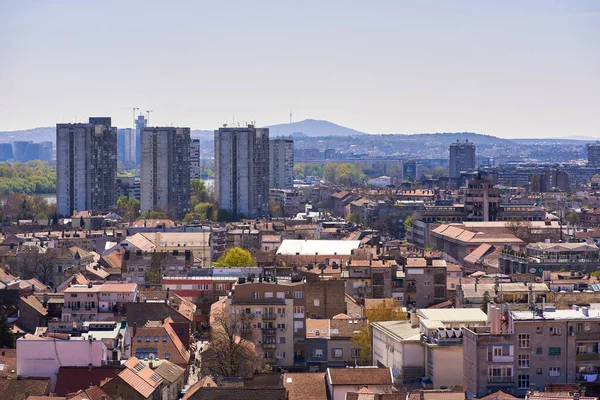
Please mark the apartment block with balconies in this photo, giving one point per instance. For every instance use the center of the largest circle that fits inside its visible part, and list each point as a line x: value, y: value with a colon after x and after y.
x: 521, y: 349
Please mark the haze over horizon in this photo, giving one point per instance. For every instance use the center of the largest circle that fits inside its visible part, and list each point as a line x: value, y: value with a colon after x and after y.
x: 515, y: 69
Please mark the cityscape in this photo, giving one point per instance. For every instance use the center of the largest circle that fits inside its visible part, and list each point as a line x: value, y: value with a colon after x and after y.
x: 395, y: 258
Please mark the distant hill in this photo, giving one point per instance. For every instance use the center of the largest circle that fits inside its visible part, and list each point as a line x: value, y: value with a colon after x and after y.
x: 312, y: 128
x: 446, y: 138
x: 35, y: 135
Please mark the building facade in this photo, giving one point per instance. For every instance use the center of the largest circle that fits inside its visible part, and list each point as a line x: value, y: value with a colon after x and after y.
x: 126, y: 147
x: 195, y: 159
x: 165, y: 170
x: 242, y: 170
x: 462, y: 158
x: 86, y: 166
x: 593, y: 154
x: 281, y: 167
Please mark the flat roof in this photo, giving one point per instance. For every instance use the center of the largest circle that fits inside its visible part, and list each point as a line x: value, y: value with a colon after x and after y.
x: 317, y: 247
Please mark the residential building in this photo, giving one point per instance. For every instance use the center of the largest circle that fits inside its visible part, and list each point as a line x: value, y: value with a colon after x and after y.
x: 140, y: 123
x: 157, y: 339
x: 43, y: 356
x: 440, y: 334
x: 462, y: 158
x: 93, y: 302
x: 526, y: 350
x: 281, y: 163
x: 242, y: 170
x: 138, y: 381
x: 593, y: 150
x: 32, y: 313
x: 553, y: 179
x: 482, y: 200
x: 6, y: 152
x: 424, y: 282
x: 303, y: 386
x: 126, y: 147
x: 291, y: 201
x: 328, y: 342
x: 410, y: 171
x: 195, y: 159
x: 369, y: 278
x: 165, y: 170
x: 341, y: 381
x: 86, y: 166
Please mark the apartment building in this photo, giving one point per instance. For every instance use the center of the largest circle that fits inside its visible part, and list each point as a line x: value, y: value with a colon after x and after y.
x: 426, y: 346
x: 93, y: 302
x: 242, y: 170
x: 86, y: 166
x: 165, y: 170
x: 520, y: 350
x: 462, y: 158
x: 369, y: 278
x: 195, y: 159
x: 286, y: 305
x: 157, y: 339
x: 424, y: 282
x: 482, y: 200
x: 281, y: 163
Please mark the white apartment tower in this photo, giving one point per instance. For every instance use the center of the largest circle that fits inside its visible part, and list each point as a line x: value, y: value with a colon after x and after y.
x: 86, y: 166
x: 242, y: 170
x: 195, y: 159
x: 165, y: 170
x: 281, y: 164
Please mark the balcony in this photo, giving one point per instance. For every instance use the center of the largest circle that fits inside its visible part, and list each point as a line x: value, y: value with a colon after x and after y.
x: 587, y: 336
x: 269, y: 346
x: 269, y: 316
x: 587, y: 357
x: 272, y: 300
x: 500, y: 379
x: 269, y: 330
x: 501, y: 359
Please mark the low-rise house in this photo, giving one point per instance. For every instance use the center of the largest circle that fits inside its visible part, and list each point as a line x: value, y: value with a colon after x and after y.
x: 397, y: 344
x: 329, y: 342
x: 341, y: 381
x: 42, y: 356
x: 32, y: 313
x: 157, y: 339
x: 138, y: 381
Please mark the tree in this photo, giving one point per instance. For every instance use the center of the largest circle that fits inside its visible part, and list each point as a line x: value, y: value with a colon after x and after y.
x: 236, y: 257
x: 81, y: 222
x: 198, y: 192
x: 206, y: 211
x: 572, y: 218
x: 7, y: 340
x: 520, y: 228
x: 388, y: 310
x: 153, y: 215
x: 486, y: 300
x: 348, y: 174
x: 275, y: 210
x: 354, y: 218
x: 232, y: 348
x: 439, y: 172
x: 408, y: 222
x: 128, y: 208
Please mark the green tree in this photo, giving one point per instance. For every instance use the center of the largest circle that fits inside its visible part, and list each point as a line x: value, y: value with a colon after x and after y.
x: 154, y: 215
x: 206, y: 211
x: 299, y: 171
x: 573, y: 218
x: 128, y: 208
x: 348, y: 174
x: 236, y: 257
x: 198, y: 192
x: 354, y: 217
x: 408, y: 222
x: 275, y: 210
x: 329, y: 172
x: 486, y: 300
x: 7, y: 340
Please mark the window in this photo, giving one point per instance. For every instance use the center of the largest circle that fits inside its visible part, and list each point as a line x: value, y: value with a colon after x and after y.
x: 337, y: 353
x: 554, y: 351
x: 280, y: 295
x: 139, y: 339
x: 147, y: 338
x: 555, y: 330
x: 539, y: 329
x: 538, y: 350
x: 523, y: 360
x: 426, y: 283
x: 282, y: 340
x: 523, y: 381
x: 268, y: 295
x: 299, y: 295
x: 317, y: 332
x: 355, y: 353
x: 538, y: 371
x: 554, y: 371
x: 167, y: 355
x: 156, y: 338
x: 298, y: 309
x: 523, y: 340
x: 255, y: 295
x: 165, y: 338
x: 316, y: 302
x: 318, y: 352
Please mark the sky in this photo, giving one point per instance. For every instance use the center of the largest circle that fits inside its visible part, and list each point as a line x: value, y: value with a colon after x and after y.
x: 506, y: 68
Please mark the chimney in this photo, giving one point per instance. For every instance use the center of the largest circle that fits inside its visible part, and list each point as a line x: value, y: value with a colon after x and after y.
x: 476, y: 283
x: 414, y: 318
x: 45, y: 300
x: 576, y: 395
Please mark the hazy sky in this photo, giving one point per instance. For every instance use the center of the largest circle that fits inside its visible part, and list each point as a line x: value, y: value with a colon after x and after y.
x: 508, y: 68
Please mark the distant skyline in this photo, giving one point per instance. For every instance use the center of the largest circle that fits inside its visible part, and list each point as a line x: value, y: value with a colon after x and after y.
x: 509, y: 69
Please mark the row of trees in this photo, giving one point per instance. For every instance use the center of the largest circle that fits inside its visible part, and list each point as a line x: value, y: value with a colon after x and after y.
x: 19, y: 206
x: 32, y: 177
x: 344, y: 174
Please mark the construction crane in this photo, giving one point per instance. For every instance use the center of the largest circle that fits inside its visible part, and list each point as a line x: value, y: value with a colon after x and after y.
x: 148, y: 117
x: 134, y: 109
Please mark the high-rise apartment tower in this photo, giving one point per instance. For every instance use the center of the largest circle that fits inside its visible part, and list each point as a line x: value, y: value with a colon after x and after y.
x: 281, y: 164
x: 462, y: 158
x: 242, y: 170
x: 86, y: 166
